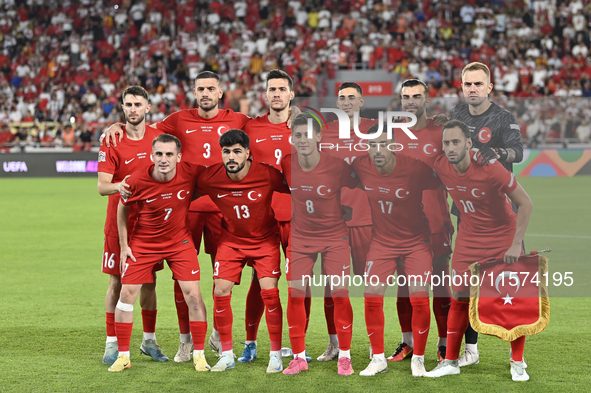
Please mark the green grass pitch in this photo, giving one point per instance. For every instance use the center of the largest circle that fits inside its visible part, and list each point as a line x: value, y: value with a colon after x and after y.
x: 52, y: 308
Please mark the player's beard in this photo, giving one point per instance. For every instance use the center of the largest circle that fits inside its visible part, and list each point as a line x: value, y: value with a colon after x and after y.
x: 237, y: 169
x: 459, y: 157
x: 213, y: 102
x: 281, y: 108
x: 419, y: 111
x: 380, y: 164
x: 139, y: 119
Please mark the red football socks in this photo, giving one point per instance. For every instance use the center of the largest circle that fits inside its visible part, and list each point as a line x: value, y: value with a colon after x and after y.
x: 329, y: 311
x: 374, y: 321
x: 296, y: 319
x: 457, y: 323
x: 308, y: 305
x: 343, y: 317
x: 404, y: 309
x: 441, y: 301
x: 123, y: 335
x: 273, y: 316
x: 224, y: 318
x: 421, y: 321
x: 111, y: 324
x: 149, y: 320
x: 517, y: 347
x: 253, y: 312
x: 182, y: 310
x: 198, y: 331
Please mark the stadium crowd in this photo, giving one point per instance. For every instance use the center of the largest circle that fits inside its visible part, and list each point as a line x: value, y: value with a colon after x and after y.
x: 68, y: 61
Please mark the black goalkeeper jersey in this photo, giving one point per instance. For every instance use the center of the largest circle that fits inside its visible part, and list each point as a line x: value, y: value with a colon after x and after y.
x: 496, y: 127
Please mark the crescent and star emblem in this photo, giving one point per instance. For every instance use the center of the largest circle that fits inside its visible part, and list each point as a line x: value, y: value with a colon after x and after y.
x: 257, y: 196
x: 398, y: 190
x: 511, y: 275
x: 320, y: 188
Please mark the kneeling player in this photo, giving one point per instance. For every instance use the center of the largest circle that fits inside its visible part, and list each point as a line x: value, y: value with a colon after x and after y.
x: 242, y: 189
x: 163, y: 192
x: 394, y: 185
x: 318, y: 227
x: 484, y: 194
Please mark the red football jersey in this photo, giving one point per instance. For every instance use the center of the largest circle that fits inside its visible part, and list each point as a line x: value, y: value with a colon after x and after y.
x: 269, y: 143
x: 120, y: 161
x: 316, y: 196
x: 395, y: 199
x: 427, y: 148
x: 200, y: 139
x: 162, y: 220
x: 245, y: 204
x: 480, y: 194
x: 349, y: 150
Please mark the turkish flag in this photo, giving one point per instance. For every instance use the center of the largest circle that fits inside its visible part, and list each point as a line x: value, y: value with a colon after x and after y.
x: 510, y: 301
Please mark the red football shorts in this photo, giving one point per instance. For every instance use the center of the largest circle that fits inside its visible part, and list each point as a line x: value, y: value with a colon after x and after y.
x: 183, y: 263
x: 111, y: 257
x: 463, y: 257
x: 336, y: 259
x: 231, y: 259
x: 284, y: 234
x: 359, y: 241
x: 207, y: 225
x: 381, y: 261
x: 441, y: 244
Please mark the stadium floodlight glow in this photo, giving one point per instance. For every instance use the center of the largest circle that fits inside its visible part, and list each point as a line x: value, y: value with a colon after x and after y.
x: 72, y: 119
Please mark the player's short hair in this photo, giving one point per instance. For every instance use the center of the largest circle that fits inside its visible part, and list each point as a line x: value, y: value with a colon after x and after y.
x: 302, y: 120
x: 137, y: 91
x: 207, y: 75
x: 475, y: 66
x: 457, y: 124
x: 346, y: 85
x: 376, y: 127
x: 234, y: 137
x: 279, y: 74
x: 167, y: 138
x: 413, y: 83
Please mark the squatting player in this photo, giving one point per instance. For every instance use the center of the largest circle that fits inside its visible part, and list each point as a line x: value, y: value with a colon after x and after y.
x: 415, y: 99
x: 199, y: 130
x: 163, y: 193
x: 270, y: 142
x: 350, y: 100
x: 243, y: 189
x: 115, y: 165
x: 394, y: 184
x: 495, y: 133
x: 484, y: 195
x: 315, y: 181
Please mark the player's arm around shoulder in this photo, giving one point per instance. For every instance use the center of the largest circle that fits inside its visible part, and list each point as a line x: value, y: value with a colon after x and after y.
x: 512, y: 140
x: 277, y: 180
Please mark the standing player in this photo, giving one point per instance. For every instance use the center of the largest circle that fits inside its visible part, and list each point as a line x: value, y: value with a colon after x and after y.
x: 495, y: 133
x: 199, y: 130
x: 163, y: 193
x: 350, y: 100
x: 115, y: 165
x: 316, y: 180
x: 415, y: 99
x: 270, y: 138
x: 243, y: 190
x: 394, y: 184
x: 484, y: 193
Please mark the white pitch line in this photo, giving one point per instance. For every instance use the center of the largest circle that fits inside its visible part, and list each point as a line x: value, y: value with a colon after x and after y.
x: 563, y: 236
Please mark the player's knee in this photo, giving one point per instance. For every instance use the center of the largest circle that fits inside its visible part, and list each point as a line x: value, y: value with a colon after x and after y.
x: 124, y: 306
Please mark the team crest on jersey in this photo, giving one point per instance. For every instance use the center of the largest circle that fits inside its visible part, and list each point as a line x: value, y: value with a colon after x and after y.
x: 484, y: 135
x: 102, y: 156
x: 429, y: 150
x: 223, y: 128
x: 253, y: 195
x: 476, y: 193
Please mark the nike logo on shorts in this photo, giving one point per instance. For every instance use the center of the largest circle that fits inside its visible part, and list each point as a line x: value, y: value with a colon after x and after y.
x: 274, y: 272
x: 194, y: 271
